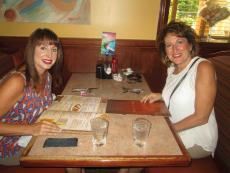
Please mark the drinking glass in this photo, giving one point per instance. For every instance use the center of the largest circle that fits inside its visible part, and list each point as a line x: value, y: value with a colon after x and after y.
x: 141, y: 129
x: 99, y: 127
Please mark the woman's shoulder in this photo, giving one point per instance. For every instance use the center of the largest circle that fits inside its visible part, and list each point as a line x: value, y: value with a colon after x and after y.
x: 205, y: 66
x: 204, y: 63
x: 201, y: 59
x: 14, y: 79
x: 17, y: 75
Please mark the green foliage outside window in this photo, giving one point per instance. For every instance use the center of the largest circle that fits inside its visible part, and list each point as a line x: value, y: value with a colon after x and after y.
x: 186, y: 11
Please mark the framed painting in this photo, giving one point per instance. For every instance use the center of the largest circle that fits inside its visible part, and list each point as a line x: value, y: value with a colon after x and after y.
x: 46, y: 11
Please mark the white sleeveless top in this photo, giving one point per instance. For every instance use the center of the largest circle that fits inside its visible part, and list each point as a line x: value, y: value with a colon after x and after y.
x: 182, y: 105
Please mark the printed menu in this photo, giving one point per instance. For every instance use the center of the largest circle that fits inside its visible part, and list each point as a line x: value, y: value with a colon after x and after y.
x: 72, y: 112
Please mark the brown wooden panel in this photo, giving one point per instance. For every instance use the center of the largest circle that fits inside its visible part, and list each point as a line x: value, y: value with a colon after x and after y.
x: 12, y: 44
x: 222, y: 109
x: 6, y: 63
x: 19, y: 169
x: 205, y: 49
x: 163, y: 17
x: 219, y: 53
x: 81, y: 55
x: 136, y: 107
x: 202, y: 165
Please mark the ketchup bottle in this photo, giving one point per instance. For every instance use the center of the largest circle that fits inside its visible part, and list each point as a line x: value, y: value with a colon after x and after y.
x: 114, y: 65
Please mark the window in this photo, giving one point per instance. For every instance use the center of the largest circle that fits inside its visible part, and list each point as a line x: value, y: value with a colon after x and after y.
x: 209, y: 18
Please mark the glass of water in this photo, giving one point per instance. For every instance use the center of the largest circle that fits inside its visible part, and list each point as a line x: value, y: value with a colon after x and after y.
x: 99, y: 127
x: 141, y: 129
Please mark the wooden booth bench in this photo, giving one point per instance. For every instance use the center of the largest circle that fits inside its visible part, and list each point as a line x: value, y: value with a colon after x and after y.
x: 10, y: 62
x: 221, y: 161
x: 15, y: 61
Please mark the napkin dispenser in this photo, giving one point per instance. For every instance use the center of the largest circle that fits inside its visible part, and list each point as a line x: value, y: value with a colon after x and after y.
x: 103, y: 71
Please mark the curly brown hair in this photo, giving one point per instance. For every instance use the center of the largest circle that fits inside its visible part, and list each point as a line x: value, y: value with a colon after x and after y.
x: 181, y: 30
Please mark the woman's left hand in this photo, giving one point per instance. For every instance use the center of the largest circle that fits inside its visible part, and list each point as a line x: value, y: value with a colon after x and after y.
x: 151, y: 98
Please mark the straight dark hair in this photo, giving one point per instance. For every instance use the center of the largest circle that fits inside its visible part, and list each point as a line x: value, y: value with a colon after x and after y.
x: 38, y: 37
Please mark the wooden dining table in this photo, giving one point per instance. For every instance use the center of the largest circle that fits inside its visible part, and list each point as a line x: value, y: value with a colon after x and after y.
x: 163, y: 146
x: 106, y: 88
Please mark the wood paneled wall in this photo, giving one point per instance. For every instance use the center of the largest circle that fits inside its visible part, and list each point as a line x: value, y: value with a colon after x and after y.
x: 81, y: 55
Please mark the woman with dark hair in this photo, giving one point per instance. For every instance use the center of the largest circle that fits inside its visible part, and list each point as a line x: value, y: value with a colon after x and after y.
x: 26, y: 94
x: 190, y: 90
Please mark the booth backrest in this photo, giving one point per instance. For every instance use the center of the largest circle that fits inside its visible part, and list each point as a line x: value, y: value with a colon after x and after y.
x: 222, y: 107
x: 15, y: 61
x: 7, y: 64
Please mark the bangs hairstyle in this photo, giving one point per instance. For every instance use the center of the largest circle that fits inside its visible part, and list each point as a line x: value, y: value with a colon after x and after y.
x: 180, y: 29
x: 38, y: 37
x: 45, y: 36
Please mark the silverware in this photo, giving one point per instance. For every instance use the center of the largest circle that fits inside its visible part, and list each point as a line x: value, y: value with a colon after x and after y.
x: 87, y: 90
x: 132, y: 90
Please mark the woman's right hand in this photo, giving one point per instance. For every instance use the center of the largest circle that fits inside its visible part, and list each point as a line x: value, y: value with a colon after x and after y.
x: 151, y: 98
x: 45, y: 128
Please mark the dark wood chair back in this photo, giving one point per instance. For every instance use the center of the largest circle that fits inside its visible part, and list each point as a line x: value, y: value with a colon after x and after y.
x: 7, y: 64
x: 221, y: 61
